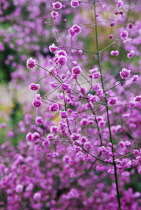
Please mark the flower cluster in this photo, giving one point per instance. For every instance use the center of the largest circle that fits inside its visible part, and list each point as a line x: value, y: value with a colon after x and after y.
x: 81, y: 129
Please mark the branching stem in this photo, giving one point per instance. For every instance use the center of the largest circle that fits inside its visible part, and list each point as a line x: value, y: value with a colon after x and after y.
x: 107, y: 109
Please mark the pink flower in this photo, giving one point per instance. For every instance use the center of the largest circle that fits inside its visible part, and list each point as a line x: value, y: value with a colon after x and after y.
x: 31, y: 63
x: 61, y: 52
x: 96, y: 75
x: 74, y: 3
x: 63, y: 114
x: 57, y: 5
x: 19, y: 188
x: 39, y: 120
x: 112, y: 101
x: 75, y: 29
x: 114, y: 52
x: 34, y: 87
x: 35, y: 136
x: 37, y: 103
x: 120, y: 4
x: 75, y: 136
x: 53, y: 48
x: 131, y: 54
x: 76, y: 70
x: 135, y: 78
x: 61, y: 60
x: 64, y: 86
x: 37, y: 196
x: 125, y: 73
x: 54, y: 107
x: 54, y: 14
x: 29, y: 136
x: 124, y: 34
x: 138, y: 98
x: 87, y: 146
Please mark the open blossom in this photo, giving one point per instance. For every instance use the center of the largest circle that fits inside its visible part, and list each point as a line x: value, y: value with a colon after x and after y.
x: 34, y: 87
x: 39, y: 120
x: 19, y: 188
x: 120, y: 4
x: 37, y: 196
x: 135, y: 78
x: 131, y: 54
x: 76, y: 70
x: 125, y: 73
x: 65, y: 86
x: 75, y: 29
x: 112, y: 101
x: 31, y: 63
x: 74, y: 3
x: 114, y: 52
x: 29, y: 136
x: 75, y: 136
x: 57, y: 5
x: 54, y: 14
x: 54, y: 107
x: 61, y: 60
x: 138, y: 98
x: 35, y: 136
x: 53, y: 48
x: 61, y: 52
x: 124, y: 34
x: 60, y: 57
x: 63, y: 114
x: 37, y: 103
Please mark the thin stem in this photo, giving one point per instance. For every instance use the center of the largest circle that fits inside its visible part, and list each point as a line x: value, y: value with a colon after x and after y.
x: 50, y: 72
x: 107, y: 110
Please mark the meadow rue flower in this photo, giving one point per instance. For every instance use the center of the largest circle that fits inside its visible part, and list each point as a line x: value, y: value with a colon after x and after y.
x: 37, y: 103
x: 120, y: 4
x: 75, y: 136
x: 112, y: 101
x: 53, y: 48
x: 54, y: 14
x: 114, y: 52
x: 34, y: 87
x: 39, y: 120
x: 87, y: 146
x: 131, y: 54
x: 37, y: 196
x: 61, y: 146
x: 76, y: 70
x: 54, y: 107
x: 57, y: 5
x: 65, y: 86
x: 124, y: 34
x: 130, y: 26
x: 110, y: 36
x: 29, y: 136
x: 75, y: 29
x: 54, y: 129
x: 35, y: 136
x: 61, y: 52
x: 135, y: 78
x: 19, y: 188
x: 61, y: 60
x: 137, y: 98
x: 63, y: 114
x: 74, y: 3
x: 31, y: 63
x: 125, y: 73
